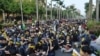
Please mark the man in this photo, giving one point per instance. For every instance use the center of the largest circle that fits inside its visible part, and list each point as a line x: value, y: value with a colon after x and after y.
x: 3, y: 44
x: 95, y: 43
x: 10, y: 50
x: 86, y: 51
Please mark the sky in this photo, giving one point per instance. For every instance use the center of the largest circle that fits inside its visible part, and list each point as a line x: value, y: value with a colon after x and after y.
x: 79, y: 4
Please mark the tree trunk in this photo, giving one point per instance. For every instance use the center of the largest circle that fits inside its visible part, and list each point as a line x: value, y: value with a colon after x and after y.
x: 57, y: 11
x: 46, y: 10
x: 90, y: 9
x: 21, y: 8
x: 7, y: 17
x: 51, y: 9
x: 3, y: 14
x: 37, y: 10
x: 97, y: 10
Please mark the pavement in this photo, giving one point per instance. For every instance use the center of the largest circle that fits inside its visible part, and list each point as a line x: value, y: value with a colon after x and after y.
x: 59, y: 53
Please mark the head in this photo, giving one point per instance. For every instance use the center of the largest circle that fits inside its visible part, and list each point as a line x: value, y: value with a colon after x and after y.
x: 18, y: 44
x: 85, y: 43
x: 85, y: 51
x: 10, y: 43
x: 68, y: 37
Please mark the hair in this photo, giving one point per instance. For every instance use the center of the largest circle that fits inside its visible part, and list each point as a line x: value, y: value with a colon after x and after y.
x: 86, y: 49
x: 85, y: 42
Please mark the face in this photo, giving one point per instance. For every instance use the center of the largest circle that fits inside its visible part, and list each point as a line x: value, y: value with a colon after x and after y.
x: 83, y: 53
x: 27, y: 32
x: 4, y: 41
x: 22, y: 38
x: 68, y: 37
x: 0, y: 41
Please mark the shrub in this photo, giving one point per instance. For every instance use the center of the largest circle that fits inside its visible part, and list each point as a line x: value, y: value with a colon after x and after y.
x: 94, y: 27
x: 1, y: 26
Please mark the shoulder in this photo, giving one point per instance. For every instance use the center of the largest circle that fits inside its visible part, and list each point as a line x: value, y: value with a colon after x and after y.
x: 92, y: 54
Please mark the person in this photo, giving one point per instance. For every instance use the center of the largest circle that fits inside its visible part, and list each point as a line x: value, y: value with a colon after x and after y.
x: 45, y: 46
x: 61, y: 41
x: 95, y: 42
x: 20, y: 49
x: 86, y: 51
x: 68, y: 47
x: 3, y: 44
x: 51, y: 51
x: 31, y: 50
x: 10, y: 50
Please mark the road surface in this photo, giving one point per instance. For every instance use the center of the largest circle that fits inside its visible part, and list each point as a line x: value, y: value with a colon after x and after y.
x: 59, y: 53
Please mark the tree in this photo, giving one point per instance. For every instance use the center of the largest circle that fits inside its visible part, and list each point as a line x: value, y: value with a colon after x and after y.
x: 29, y: 7
x: 43, y: 8
x: 69, y: 12
x: 60, y: 3
x: 72, y: 12
x: 90, y: 9
x: 9, y: 6
x: 57, y: 7
x: 4, y: 4
x: 63, y: 16
x: 46, y: 11
x: 86, y: 9
x: 97, y: 10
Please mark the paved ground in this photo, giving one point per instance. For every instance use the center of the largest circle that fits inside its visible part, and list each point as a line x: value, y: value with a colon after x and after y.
x: 59, y: 53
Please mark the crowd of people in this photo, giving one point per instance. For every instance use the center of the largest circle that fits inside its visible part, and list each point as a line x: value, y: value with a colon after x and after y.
x: 44, y: 38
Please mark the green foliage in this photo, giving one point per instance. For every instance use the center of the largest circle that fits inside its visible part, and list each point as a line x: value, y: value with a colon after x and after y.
x: 55, y: 0
x: 9, y: 6
x: 91, y: 24
x: 13, y: 6
x: 86, y: 7
x: 3, y: 4
x: 94, y: 26
x: 29, y: 7
x: 60, y: 2
x: 94, y: 13
x: 1, y: 26
x: 71, y: 10
x: 41, y: 10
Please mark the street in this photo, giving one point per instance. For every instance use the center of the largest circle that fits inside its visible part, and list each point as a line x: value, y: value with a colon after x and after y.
x: 59, y: 53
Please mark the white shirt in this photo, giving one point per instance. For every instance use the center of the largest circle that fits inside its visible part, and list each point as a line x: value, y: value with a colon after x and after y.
x: 92, y: 55
x: 80, y: 28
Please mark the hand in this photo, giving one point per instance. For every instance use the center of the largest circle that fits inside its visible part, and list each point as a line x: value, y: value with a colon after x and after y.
x: 46, y: 54
x: 7, y: 52
x: 18, y: 55
x: 51, y: 48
